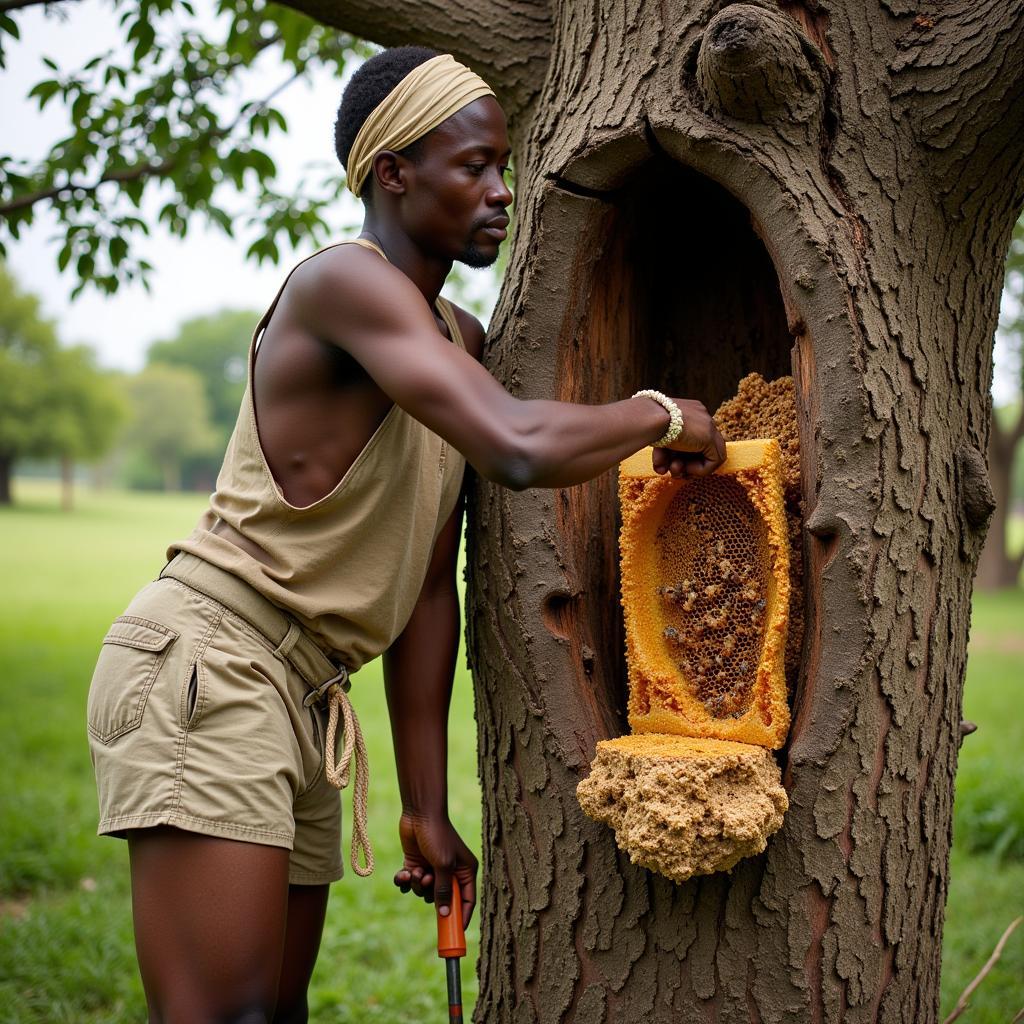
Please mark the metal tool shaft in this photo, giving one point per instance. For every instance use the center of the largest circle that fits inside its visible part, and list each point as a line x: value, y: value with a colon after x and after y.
x: 454, y: 990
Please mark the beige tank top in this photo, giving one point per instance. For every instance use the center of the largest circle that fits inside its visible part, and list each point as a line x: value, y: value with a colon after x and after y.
x: 350, y: 566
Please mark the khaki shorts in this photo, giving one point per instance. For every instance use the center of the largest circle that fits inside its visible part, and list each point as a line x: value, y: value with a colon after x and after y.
x: 195, y: 722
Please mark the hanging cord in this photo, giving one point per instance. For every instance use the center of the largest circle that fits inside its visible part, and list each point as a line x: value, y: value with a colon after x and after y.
x: 338, y: 774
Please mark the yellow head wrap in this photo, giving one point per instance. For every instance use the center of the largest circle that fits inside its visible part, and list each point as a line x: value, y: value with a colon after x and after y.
x: 431, y: 92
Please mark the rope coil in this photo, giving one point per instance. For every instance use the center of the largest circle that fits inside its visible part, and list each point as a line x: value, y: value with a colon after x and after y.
x: 338, y: 773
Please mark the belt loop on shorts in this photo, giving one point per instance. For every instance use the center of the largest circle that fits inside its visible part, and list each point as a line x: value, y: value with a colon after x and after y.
x: 291, y: 638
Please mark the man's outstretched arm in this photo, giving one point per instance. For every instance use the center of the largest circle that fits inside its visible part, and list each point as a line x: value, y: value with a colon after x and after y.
x: 419, y: 669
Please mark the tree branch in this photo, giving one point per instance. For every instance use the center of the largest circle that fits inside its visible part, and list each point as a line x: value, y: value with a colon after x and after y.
x: 142, y: 170
x: 506, y: 42
x: 125, y: 174
x: 965, y: 996
x: 16, y: 5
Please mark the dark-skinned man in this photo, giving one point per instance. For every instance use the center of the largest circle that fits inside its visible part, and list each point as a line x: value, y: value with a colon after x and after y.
x: 331, y: 538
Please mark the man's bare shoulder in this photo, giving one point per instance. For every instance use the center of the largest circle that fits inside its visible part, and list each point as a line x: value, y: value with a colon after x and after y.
x: 350, y: 294
x: 349, y: 268
x: 472, y: 331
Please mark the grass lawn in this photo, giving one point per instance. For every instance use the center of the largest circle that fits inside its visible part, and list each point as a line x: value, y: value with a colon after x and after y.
x: 65, y: 926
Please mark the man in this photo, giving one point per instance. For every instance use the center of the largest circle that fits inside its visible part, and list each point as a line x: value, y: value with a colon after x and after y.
x: 331, y: 538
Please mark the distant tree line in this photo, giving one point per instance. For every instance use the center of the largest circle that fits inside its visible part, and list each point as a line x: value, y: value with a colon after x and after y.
x: 1000, y: 565
x: 54, y: 402
x: 186, y: 401
x: 164, y: 427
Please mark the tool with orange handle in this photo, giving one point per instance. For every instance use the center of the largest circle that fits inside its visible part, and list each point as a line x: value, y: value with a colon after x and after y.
x: 451, y: 944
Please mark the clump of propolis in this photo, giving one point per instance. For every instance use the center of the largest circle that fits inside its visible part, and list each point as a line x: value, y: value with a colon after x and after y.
x: 763, y: 408
x: 706, y: 588
x: 682, y: 806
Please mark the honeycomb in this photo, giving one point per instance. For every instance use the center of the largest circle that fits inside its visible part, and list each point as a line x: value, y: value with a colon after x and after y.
x: 768, y: 409
x: 705, y: 592
x: 712, y: 583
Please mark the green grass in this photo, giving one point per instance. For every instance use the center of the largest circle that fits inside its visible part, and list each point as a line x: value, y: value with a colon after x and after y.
x: 989, y: 812
x: 65, y: 925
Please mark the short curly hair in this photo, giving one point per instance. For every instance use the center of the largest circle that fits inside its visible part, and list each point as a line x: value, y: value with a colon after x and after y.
x: 365, y: 90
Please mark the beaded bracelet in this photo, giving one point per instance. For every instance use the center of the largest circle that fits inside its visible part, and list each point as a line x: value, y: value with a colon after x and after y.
x: 675, y: 426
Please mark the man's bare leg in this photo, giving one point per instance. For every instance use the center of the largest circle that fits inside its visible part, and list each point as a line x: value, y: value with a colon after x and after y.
x: 211, y: 916
x: 307, y: 908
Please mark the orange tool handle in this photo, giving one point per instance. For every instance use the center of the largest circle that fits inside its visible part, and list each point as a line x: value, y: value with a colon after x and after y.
x: 451, y: 937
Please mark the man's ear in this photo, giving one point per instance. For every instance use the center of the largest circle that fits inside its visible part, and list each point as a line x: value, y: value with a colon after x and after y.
x: 389, y: 172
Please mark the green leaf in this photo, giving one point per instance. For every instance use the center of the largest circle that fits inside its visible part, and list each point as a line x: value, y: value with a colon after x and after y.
x: 133, y: 190
x: 44, y: 90
x: 144, y: 36
x: 220, y: 217
x: 118, y: 249
x: 64, y: 256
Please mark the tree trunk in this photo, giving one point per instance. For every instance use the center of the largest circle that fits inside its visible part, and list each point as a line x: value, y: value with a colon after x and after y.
x: 997, y: 568
x: 67, y: 483
x: 171, y: 468
x: 706, y: 189
x: 6, y: 472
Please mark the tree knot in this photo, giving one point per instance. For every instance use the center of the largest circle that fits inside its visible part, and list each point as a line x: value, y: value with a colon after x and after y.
x: 976, y: 497
x: 754, y: 64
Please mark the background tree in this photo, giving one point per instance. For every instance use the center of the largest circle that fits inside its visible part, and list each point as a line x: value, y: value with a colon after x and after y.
x: 86, y: 410
x: 999, y: 566
x: 170, y: 419
x: 54, y: 403
x: 707, y: 189
x: 215, y: 348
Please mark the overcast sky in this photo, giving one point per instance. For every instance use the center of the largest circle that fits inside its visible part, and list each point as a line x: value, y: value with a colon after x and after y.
x: 206, y: 271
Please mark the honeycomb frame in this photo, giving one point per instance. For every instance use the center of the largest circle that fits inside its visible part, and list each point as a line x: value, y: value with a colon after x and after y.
x: 662, y: 699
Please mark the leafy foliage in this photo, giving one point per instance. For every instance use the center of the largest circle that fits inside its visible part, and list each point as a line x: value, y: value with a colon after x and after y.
x: 158, y: 116
x: 215, y: 347
x: 171, y: 419
x: 55, y: 401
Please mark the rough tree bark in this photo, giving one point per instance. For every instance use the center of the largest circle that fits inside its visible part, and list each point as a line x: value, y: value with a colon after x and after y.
x: 707, y: 189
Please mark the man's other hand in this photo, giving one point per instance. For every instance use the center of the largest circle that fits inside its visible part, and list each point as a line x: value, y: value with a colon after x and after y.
x: 435, y: 859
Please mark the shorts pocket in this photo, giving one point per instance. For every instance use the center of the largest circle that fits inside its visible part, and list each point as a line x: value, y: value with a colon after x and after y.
x: 319, y: 737
x: 133, y: 651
